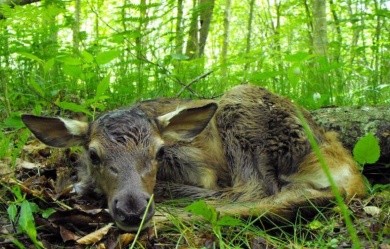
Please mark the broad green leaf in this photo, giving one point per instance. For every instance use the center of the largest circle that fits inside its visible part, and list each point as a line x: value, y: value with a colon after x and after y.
x: 35, y: 85
x: 14, y: 121
x: 74, y: 71
x: 383, y: 12
x: 26, y: 222
x: 12, y: 211
x: 37, y: 109
x: 87, y: 56
x: 117, y: 38
x: 99, y: 106
x: 92, y: 102
x: 229, y: 221
x: 367, y: 149
x: 69, y: 60
x: 48, y: 65
x: 17, y: 193
x: 298, y: 57
x: 264, y: 75
x: 30, y: 56
x: 315, y: 225
x: 201, y: 208
x: 46, y: 213
x: 74, y: 107
x: 103, y: 86
x: 34, y: 207
x: 106, y: 57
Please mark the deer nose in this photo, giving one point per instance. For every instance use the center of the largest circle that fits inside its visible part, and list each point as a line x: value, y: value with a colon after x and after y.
x: 129, y: 208
x: 128, y: 214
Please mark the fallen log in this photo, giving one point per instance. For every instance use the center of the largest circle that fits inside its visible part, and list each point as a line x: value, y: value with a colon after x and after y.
x: 352, y: 123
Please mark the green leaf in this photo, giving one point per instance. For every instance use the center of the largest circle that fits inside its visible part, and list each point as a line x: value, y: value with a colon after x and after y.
x: 229, y: 221
x: 17, y: 193
x: 73, y: 107
x: 117, y: 38
x: 264, y: 75
x: 48, y: 65
x: 14, y: 121
x: 69, y: 60
x: 34, y: 207
x: 35, y: 85
x: 74, y: 71
x: 106, y: 57
x: 103, y: 86
x: 99, y: 106
x: 46, y: 213
x: 30, y: 56
x: 298, y: 57
x: 87, y: 56
x: 12, y: 211
x: 96, y: 100
x: 367, y: 149
x: 315, y: 225
x: 26, y: 222
x: 201, y: 208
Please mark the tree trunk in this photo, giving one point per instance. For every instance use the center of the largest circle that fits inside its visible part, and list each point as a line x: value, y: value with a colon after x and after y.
x: 179, y: 31
x: 249, y: 31
x: 139, y: 45
x: 353, y: 123
x: 225, y: 40
x: 278, y: 51
x: 309, y: 22
x: 76, y: 27
x: 376, y: 59
x: 192, y: 48
x: 320, y: 37
x: 205, y: 13
x: 322, y: 83
x: 336, y: 20
x: 198, y: 32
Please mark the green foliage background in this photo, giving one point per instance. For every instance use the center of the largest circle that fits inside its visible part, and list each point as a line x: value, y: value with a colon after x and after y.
x: 90, y: 56
x: 104, y: 54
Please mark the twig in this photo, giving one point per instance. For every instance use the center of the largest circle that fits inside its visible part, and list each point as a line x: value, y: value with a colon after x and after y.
x: 192, y: 82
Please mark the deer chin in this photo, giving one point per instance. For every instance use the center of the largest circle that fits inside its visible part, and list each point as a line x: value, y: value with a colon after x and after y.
x: 133, y: 228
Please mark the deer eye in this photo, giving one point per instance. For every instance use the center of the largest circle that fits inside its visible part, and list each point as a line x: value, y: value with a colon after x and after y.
x: 93, y: 156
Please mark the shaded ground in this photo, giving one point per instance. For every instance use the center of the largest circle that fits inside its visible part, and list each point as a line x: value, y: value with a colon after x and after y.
x: 64, y: 220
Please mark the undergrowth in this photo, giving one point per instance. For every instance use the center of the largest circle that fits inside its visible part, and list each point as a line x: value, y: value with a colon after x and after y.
x: 341, y: 226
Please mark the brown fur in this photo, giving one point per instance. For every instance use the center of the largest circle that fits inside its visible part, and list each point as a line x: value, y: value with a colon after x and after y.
x: 249, y: 147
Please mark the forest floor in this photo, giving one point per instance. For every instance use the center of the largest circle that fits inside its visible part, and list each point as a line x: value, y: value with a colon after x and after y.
x: 39, y: 209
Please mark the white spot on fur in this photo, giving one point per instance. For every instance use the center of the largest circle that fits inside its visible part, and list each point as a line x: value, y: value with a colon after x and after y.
x: 165, y: 119
x: 318, y: 179
x: 75, y: 127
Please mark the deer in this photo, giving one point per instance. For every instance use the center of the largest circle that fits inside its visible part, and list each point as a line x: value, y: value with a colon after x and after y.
x: 250, y: 147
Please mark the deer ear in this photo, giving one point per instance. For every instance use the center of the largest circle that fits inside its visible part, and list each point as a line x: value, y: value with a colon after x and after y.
x: 57, y: 132
x: 186, y: 123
